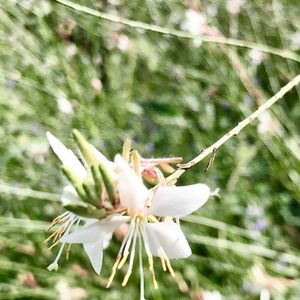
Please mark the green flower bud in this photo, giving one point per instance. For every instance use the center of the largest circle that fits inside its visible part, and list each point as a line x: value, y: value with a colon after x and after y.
x: 85, y: 148
x: 87, y: 211
x: 97, y: 180
x: 108, y: 183
x: 91, y: 197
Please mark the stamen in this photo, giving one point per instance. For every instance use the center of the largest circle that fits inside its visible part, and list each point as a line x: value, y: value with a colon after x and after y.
x: 53, y: 245
x: 163, y: 263
x: 61, y: 232
x: 153, y: 219
x: 126, y: 250
x: 50, y: 237
x: 149, y: 255
x: 60, y: 220
x: 69, y: 246
x: 115, y: 266
x: 141, y: 269
x: 132, y: 255
x: 113, y: 273
x: 123, y: 260
x: 68, y: 251
x: 167, y: 261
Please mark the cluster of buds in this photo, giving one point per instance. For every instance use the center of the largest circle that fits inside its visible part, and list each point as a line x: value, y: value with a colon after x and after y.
x: 103, y: 195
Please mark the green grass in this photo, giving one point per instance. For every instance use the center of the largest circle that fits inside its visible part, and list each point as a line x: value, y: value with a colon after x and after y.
x: 171, y: 98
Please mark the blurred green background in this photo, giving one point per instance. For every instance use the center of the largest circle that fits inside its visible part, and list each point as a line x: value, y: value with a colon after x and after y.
x: 62, y: 69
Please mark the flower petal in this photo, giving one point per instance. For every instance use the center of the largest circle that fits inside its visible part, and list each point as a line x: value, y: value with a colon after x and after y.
x: 69, y: 196
x: 178, y: 201
x: 66, y: 156
x: 95, y: 230
x: 95, y: 254
x: 102, y: 159
x: 170, y: 237
x: 106, y: 240
x: 133, y: 193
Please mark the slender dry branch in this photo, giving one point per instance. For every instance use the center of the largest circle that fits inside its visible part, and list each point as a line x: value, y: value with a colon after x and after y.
x: 179, y: 33
x: 235, y: 131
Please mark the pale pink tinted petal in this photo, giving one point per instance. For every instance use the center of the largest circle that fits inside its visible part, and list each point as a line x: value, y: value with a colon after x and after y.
x: 132, y: 191
x: 95, y: 254
x: 178, y: 201
x: 170, y: 237
x: 95, y: 230
x: 66, y: 156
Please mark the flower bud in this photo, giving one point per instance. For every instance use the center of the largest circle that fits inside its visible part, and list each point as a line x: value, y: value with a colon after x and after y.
x: 108, y: 183
x: 97, y: 180
x: 86, y: 211
x: 85, y: 148
x: 136, y: 162
x: 126, y: 150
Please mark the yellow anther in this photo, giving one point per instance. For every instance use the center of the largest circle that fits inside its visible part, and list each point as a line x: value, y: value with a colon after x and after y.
x: 155, y: 285
x: 126, y: 278
x: 122, y: 262
x: 113, y: 273
x: 166, y: 262
x: 151, y: 269
x: 163, y: 263
x: 152, y: 219
x: 170, y: 267
x: 50, y: 237
x: 59, y: 233
x: 68, y: 251
x: 53, y: 245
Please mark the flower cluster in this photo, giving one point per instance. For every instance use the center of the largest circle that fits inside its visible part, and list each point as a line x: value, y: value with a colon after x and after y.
x: 103, y: 195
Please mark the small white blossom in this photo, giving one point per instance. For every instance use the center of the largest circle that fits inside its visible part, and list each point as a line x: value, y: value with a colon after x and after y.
x: 295, y: 41
x: 64, y: 105
x: 96, y: 84
x: 267, y: 124
x: 256, y: 56
x: 233, y: 6
x: 214, y: 295
x: 150, y: 213
x: 159, y: 238
x: 194, y: 22
x: 124, y: 43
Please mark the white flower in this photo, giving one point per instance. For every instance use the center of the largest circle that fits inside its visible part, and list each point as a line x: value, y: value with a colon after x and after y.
x: 69, y: 221
x: 195, y: 22
x: 214, y: 295
x: 256, y: 56
x: 295, y: 41
x: 149, y: 212
x: 267, y: 124
x: 64, y: 105
x: 124, y: 43
x: 160, y: 237
x: 234, y: 6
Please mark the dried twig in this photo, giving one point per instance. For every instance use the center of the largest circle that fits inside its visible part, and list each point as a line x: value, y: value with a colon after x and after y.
x: 235, y: 131
x: 285, y: 53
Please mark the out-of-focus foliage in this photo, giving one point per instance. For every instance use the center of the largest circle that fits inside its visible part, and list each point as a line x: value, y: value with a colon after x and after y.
x: 61, y: 69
